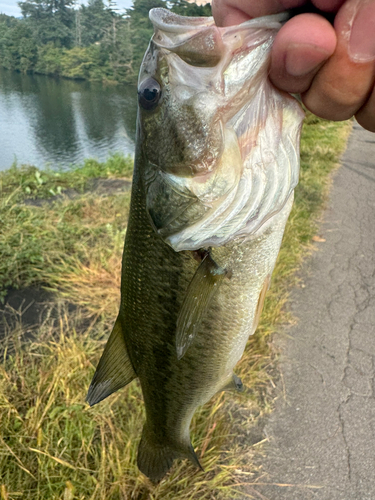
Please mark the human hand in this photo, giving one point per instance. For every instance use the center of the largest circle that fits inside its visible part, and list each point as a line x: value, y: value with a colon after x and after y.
x: 332, y: 67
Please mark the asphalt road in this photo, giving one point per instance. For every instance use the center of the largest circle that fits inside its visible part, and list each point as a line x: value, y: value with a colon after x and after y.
x: 322, y: 433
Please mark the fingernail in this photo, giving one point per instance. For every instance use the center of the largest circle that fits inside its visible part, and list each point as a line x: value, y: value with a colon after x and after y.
x: 362, y: 36
x: 302, y: 59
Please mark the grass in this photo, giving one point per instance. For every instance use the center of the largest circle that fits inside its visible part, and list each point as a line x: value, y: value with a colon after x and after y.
x: 19, y: 183
x: 52, y: 446
x: 52, y: 242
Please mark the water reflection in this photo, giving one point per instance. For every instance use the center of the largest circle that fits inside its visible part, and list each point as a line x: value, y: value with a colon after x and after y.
x: 61, y: 122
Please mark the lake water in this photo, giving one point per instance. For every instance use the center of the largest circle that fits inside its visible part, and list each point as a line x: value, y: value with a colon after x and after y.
x: 55, y: 122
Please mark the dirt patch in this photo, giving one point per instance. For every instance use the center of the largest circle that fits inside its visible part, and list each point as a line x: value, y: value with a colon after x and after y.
x: 108, y: 187
x: 26, y: 308
x: 70, y: 194
x: 29, y: 304
x: 25, y: 311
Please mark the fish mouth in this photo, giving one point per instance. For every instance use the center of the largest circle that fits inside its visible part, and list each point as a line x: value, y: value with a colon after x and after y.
x: 225, y: 158
x: 166, y: 20
x: 196, y: 40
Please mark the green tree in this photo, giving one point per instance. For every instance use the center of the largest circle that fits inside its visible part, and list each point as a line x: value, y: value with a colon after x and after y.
x: 91, y: 42
x: 95, y: 19
x: 122, y: 52
x: 18, y: 50
x: 7, y: 20
x: 49, y: 60
x: 184, y: 8
x: 51, y: 20
x: 139, y: 12
x: 141, y: 29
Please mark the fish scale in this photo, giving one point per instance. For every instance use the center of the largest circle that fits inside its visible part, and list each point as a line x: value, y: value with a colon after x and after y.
x: 186, y: 314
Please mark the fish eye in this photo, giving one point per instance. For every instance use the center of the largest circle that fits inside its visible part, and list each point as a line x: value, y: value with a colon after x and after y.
x: 149, y: 94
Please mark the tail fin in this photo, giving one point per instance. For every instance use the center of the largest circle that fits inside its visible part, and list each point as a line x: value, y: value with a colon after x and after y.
x: 155, y: 458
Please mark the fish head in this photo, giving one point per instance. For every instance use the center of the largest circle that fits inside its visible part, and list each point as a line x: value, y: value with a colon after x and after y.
x: 180, y: 114
x: 198, y: 127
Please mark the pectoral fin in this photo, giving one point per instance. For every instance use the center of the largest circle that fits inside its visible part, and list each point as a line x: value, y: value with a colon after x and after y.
x: 199, y: 294
x: 114, y: 369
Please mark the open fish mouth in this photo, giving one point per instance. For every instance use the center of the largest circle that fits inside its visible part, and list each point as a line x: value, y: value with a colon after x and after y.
x: 222, y: 145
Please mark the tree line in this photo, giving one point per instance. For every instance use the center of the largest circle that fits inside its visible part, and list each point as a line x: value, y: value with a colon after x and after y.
x: 91, y: 42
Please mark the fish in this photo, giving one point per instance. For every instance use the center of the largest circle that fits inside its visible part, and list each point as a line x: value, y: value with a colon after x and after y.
x: 216, y: 164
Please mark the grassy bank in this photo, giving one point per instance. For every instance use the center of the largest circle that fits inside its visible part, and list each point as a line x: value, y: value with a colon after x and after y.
x: 60, y: 232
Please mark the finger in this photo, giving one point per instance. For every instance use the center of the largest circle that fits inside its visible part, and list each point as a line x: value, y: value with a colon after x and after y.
x: 345, y: 81
x: 328, y: 5
x: 232, y: 12
x: 366, y: 115
x: 302, y: 45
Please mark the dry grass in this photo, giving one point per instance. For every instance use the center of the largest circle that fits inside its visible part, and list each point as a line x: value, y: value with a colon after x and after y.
x: 52, y: 445
x: 94, y: 286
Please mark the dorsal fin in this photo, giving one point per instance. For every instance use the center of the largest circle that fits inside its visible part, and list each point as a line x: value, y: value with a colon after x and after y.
x: 199, y: 294
x: 114, y: 370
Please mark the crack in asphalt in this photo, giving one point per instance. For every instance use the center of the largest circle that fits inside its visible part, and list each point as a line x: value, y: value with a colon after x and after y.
x: 342, y: 426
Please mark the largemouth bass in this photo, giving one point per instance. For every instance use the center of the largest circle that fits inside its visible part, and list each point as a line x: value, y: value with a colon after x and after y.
x: 217, y: 160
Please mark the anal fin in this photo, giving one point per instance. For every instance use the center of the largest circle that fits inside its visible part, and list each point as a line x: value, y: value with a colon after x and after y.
x: 114, y: 370
x: 199, y: 294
